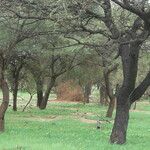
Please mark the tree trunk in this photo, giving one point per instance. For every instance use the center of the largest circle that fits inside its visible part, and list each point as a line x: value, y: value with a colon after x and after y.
x: 129, y: 55
x: 103, y: 95
x: 44, y: 101
x: 39, y: 86
x: 134, y: 107
x: 5, y: 103
x: 119, y: 131
x: 87, y: 92
x: 15, y: 92
x: 110, y: 108
x: 47, y: 93
x: 109, y: 89
x: 15, y: 74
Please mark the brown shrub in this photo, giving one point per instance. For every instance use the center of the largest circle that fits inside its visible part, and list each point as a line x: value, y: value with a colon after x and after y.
x: 70, y: 91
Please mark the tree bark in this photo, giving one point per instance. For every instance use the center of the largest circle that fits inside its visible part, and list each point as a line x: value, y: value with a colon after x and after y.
x: 15, y: 93
x: 129, y: 55
x: 103, y: 95
x: 140, y: 89
x: 110, y: 108
x: 119, y: 131
x: 134, y: 107
x: 39, y: 87
x: 47, y: 93
x: 5, y: 103
x: 87, y: 92
x: 109, y: 89
x: 15, y: 74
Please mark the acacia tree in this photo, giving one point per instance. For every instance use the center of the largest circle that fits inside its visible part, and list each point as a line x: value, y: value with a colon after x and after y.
x: 5, y: 54
x: 49, y: 64
x: 28, y: 85
x: 13, y: 32
x: 15, y: 74
x: 129, y: 53
x: 130, y: 40
x: 86, y: 15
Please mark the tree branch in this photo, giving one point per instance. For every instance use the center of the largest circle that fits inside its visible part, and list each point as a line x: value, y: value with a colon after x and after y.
x: 140, y: 90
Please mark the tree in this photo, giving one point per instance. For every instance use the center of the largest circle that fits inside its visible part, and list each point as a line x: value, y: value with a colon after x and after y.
x: 49, y: 64
x: 5, y: 91
x: 15, y: 67
x: 28, y: 85
x: 129, y: 38
x: 130, y: 53
x: 13, y: 32
x: 84, y: 23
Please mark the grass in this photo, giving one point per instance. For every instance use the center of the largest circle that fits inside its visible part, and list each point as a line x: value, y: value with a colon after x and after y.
x: 59, y: 127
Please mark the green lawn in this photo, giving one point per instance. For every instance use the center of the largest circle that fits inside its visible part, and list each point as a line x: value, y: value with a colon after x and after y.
x: 70, y: 126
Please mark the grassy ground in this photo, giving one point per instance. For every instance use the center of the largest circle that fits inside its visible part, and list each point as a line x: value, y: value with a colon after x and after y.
x: 70, y: 126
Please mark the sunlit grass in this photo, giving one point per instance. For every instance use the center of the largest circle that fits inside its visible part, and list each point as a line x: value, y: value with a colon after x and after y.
x: 26, y: 130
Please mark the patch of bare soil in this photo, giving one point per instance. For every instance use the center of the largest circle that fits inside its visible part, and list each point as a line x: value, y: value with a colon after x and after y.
x: 63, y: 101
x: 78, y: 114
x: 142, y: 111
x: 144, y: 102
x: 90, y: 121
x: 87, y: 120
x: 43, y: 119
x: 82, y: 118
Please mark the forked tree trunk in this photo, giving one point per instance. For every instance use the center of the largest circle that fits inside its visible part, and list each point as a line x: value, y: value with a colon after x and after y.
x: 5, y: 103
x: 129, y: 55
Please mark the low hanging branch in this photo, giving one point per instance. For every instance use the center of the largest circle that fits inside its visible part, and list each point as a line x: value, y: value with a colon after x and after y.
x: 140, y: 90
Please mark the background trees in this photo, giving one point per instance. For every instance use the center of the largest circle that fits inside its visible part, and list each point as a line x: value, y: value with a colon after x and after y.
x: 73, y: 39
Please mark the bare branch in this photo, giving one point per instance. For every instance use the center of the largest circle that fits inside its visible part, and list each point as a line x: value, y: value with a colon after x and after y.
x: 140, y: 90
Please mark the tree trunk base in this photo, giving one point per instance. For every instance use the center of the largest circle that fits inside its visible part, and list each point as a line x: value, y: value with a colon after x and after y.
x: 118, y: 137
x: 1, y: 125
x: 14, y: 108
x: 43, y: 105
